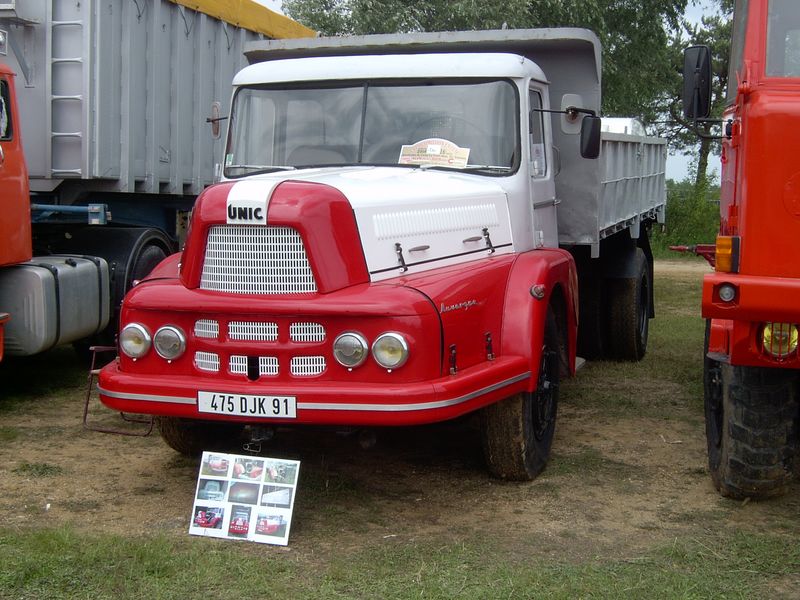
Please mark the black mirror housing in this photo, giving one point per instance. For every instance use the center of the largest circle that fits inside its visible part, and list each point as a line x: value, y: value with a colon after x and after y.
x: 696, y: 82
x: 590, y: 136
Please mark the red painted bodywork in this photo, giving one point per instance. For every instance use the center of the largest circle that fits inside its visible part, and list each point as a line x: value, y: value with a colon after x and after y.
x: 207, y: 519
x: 15, y: 223
x: 267, y: 526
x: 451, y: 306
x: 760, y: 203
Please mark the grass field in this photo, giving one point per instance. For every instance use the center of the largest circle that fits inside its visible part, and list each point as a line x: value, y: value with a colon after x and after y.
x: 624, y: 509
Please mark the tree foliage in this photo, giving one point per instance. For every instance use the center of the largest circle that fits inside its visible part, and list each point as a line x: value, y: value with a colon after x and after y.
x: 638, y: 69
x: 714, y: 32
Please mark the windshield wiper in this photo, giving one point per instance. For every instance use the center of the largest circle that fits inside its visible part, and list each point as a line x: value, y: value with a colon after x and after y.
x: 256, y: 169
x: 469, y: 169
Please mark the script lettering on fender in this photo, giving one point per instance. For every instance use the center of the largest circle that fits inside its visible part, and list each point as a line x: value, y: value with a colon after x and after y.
x: 443, y: 308
x: 242, y: 211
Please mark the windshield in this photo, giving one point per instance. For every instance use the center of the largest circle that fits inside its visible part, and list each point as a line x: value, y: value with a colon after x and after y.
x: 450, y: 125
x: 783, y: 39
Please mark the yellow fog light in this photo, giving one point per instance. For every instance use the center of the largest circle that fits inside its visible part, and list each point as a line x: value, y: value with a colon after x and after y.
x: 779, y: 339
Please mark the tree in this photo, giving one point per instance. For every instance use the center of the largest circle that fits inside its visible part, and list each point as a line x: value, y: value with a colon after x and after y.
x: 635, y: 34
x: 714, y: 32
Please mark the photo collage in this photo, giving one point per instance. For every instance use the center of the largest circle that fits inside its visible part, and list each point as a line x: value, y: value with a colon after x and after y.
x: 245, y: 498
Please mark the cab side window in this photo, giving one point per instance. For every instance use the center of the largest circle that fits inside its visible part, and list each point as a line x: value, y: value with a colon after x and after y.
x: 6, y: 130
x: 536, y: 134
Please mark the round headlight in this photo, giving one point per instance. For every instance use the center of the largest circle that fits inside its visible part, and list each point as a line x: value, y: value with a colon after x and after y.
x: 390, y: 350
x: 169, y: 342
x: 134, y: 340
x: 350, y: 349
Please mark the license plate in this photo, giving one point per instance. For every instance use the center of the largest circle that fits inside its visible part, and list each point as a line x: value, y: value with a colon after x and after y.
x: 247, y: 405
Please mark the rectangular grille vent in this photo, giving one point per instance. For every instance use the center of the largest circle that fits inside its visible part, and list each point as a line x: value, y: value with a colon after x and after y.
x: 206, y: 361
x: 304, y: 366
x: 307, y: 332
x: 253, y: 259
x: 251, y: 331
x: 206, y: 328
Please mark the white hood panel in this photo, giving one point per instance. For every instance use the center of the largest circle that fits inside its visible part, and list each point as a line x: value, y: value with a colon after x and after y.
x: 429, y: 218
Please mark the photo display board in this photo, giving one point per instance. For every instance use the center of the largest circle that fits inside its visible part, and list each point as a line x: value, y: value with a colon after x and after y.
x: 245, y: 498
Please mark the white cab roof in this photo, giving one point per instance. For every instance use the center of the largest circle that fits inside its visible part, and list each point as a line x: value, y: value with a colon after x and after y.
x: 326, y: 68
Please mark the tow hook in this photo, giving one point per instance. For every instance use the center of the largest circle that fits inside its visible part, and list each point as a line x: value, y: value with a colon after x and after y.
x: 258, y: 435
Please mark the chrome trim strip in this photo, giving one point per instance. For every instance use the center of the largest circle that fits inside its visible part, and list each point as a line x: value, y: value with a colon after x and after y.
x: 411, y: 407
x: 148, y: 397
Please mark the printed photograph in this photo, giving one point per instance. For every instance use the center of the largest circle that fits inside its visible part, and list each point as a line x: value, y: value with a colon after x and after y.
x: 246, y: 493
x: 249, y: 469
x: 274, y: 525
x: 208, y: 517
x: 240, y: 521
x: 212, y: 489
x: 215, y: 465
x: 281, y: 471
x: 274, y: 495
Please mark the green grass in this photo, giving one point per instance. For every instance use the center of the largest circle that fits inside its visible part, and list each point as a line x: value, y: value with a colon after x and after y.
x: 60, y: 563
x: 38, y: 469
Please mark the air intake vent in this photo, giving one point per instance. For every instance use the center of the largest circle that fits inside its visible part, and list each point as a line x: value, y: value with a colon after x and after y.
x: 253, y: 259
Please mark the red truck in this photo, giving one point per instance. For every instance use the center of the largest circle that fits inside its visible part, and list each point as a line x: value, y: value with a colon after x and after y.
x: 752, y: 300
x: 398, y: 239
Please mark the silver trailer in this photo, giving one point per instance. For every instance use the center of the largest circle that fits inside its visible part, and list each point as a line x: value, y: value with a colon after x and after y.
x: 114, y: 101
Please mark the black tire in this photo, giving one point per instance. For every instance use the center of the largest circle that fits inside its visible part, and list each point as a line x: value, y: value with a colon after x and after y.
x: 517, y: 433
x: 190, y: 437
x: 145, y: 262
x: 629, y: 312
x: 751, y: 418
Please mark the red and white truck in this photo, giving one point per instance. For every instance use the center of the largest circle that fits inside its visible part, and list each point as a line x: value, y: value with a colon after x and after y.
x: 401, y: 231
x: 752, y: 300
x: 104, y: 146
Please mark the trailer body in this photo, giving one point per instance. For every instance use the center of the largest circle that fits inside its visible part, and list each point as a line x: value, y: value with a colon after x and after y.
x: 111, y: 107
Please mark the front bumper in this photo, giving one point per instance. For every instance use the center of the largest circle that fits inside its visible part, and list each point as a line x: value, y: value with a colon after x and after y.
x: 326, y: 403
x: 737, y: 325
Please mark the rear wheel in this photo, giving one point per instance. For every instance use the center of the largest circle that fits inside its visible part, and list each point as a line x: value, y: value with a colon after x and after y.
x: 629, y: 312
x: 751, y: 416
x: 517, y: 432
x: 191, y: 437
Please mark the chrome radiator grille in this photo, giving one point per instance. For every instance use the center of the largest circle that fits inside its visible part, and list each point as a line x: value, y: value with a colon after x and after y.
x: 253, y: 259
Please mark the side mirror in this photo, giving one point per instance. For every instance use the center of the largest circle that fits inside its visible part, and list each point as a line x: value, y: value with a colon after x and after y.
x: 696, y: 82
x: 590, y: 136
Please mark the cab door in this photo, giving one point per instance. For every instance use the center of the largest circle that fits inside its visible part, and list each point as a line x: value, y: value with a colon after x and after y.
x: 541, y: 171
x: 15, y: 212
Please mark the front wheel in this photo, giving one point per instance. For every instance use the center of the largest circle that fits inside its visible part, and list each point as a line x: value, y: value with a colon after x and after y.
x: 751, y: 415
x: 517, y: 432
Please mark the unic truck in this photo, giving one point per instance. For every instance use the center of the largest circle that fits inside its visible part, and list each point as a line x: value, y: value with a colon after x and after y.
x: 752, y: 300
x: 109, y: 101
x: 399, y: 237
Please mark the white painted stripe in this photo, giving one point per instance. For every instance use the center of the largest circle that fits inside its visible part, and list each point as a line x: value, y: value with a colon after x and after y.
x: 148, y: 397
x: 411, y: 407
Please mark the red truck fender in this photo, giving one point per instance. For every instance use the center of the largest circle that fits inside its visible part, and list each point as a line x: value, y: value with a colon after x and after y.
x: 551, y: 274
